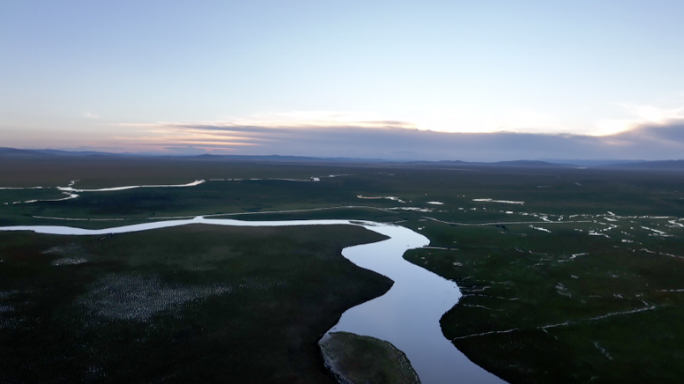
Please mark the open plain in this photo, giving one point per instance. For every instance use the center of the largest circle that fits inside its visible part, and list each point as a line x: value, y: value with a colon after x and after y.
x: 568, y: 275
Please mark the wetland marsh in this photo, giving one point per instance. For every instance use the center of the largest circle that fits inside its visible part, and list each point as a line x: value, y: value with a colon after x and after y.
x: 567, y: 275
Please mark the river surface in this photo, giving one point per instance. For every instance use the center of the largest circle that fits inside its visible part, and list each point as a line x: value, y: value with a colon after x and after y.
x: 407, y: 315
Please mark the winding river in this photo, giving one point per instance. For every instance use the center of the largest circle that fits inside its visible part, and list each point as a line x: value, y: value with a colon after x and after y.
x: 406, y: 316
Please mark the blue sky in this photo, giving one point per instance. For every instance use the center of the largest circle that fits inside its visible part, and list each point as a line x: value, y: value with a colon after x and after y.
x: 153, y: 75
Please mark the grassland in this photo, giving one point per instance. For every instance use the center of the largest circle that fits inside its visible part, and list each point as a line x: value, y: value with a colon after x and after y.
x: 194, y: 304
x: 581, y: 282
x: 563, y: 306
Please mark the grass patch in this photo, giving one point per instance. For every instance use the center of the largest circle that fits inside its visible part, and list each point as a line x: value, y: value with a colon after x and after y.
x: 187, y: 304
x: 563, y: 307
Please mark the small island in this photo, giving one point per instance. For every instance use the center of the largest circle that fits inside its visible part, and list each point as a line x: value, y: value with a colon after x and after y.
x: 356, y: 359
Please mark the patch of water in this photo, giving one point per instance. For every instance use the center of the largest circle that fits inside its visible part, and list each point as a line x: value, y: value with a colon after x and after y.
x: 71, y: 189
x: 676, y: 224
x: 656, y: 232
x: 499, y: 201
x: 416, y: 209
x: 18, y: 188
x: 574, y: 255
x: 393, y: 198
x: 540, y: 229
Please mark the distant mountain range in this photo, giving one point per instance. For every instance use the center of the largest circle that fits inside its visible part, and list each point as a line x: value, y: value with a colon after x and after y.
x: 662, y: 165
x: 512, y: 164
x: 5, y: 152
x: 671, y: 165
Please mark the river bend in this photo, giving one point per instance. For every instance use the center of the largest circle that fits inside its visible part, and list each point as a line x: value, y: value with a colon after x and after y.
x: 407, y: 315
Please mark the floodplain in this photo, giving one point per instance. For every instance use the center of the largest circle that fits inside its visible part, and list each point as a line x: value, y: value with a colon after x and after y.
x: 568, y: 275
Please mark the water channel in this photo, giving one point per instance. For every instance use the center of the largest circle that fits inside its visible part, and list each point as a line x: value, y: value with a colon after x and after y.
x: 407, y: 315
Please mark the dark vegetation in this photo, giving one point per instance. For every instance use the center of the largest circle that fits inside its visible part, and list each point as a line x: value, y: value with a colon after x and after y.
x: 596, y: 299
x: 559, y: 191
x: 194, y: 304
x: 564, y: 307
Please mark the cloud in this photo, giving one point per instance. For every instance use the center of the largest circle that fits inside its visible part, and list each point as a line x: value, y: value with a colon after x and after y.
x: 643, y: 115
x: 91, y: 115
x: 656, y: 134
x: 312, y: 119
x: 411, y: 144
x: 669, y: 133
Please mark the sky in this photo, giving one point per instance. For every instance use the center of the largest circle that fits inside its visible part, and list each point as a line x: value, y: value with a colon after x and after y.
x: 431, y: 80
